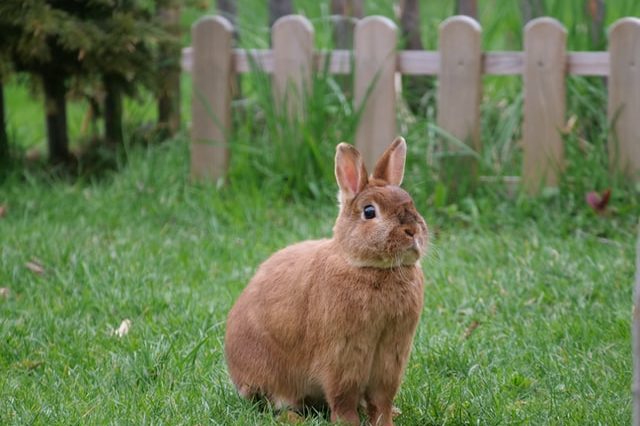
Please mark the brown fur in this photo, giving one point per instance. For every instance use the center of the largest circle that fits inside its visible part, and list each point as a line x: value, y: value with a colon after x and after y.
x: 333, y: 320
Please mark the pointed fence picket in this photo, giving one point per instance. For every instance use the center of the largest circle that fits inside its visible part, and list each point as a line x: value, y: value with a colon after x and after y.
x: 459, y: 93
x: 211, y: 100
x: 544, y: 102
x: 624, y: 95
x: 459, y: 64
x: 292, y: 39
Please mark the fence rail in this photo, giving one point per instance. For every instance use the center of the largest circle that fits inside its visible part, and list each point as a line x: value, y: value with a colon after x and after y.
x: 413, y: 62
x: 459, y: 63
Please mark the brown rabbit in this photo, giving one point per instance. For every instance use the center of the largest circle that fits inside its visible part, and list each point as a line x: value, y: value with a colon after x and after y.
x: 333, y: 320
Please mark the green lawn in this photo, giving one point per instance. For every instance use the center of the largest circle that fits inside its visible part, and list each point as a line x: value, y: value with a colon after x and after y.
x: 526, y: 319
x: 527, y: 303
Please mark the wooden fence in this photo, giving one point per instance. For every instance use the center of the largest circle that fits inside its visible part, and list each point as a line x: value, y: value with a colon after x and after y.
x: 459, y: 64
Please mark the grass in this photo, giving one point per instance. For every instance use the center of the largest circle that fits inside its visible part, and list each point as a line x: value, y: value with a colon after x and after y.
x: 526, y: 318
x: 528, y: 300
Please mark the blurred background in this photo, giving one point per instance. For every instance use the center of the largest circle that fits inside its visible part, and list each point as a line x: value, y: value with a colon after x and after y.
x: 112, y: 52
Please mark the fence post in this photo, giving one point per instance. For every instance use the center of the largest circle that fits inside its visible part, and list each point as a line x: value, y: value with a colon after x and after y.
x: 211, y: 102
x: 459, y: 93
x: 374, y: 95
x: 624, y: 96
x: 544, y: 103
x: 292, y: 39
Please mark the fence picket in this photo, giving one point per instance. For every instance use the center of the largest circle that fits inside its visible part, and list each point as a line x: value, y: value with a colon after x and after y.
x: 624, y: 96
x: 211, y: 101
x: 292, y: 38
x: 375, y: 66
x: 459, y: 93
x: 544, y: 103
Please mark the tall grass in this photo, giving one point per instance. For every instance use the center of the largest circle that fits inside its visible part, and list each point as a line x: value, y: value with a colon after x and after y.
x: 291, y: 150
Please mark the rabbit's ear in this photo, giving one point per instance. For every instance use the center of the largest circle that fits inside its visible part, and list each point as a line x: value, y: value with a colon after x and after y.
x: 390, y: 166
x: 351, y: 173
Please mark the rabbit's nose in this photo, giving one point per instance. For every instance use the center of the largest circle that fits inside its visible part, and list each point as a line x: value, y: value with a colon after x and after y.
x: 408, y: 218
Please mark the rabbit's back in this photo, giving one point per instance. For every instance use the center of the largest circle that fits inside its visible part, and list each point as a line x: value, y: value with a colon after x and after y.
x: 276, y: 298
x: 267, y: 328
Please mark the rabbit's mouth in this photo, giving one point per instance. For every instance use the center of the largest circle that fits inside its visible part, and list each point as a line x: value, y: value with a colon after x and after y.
x: 411, y: 255
x: 413, y: 252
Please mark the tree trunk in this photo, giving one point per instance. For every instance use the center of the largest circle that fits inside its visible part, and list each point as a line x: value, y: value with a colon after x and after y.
x: 595, y: 14
x: 531, y: 9
x: 4, y: 141
x: 344, y: 12
x: 467, y: 7
x: 414, y: 87
x: 278, y: 8
x: 228, y: 9
x: 56, y: 113
x: 344, y: 15
x: 169, y: 70
x: 112, y: 112
x: 410, y: 23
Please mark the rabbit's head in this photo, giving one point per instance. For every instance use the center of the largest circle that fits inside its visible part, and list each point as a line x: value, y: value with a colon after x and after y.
x: 378, y: 225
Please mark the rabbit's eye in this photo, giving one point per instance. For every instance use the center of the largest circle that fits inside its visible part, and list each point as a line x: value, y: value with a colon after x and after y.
x: 369, y: 211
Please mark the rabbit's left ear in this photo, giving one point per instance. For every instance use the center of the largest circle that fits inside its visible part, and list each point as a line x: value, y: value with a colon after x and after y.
x: 390, y: 166
x: 350, y: 171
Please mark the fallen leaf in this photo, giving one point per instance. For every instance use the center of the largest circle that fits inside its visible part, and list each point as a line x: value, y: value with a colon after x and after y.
x: 598, y: 202
x: 3, y: 210
x: 584, y: 145
x: 474, y: 324
x: 4, y: 292
x: 571, y: 123
x: 290, y: 417
x: 27, y: 364
x: 493, y: 309
x: 123, y: 330
x: 35, y: 266
x: 33, y: 154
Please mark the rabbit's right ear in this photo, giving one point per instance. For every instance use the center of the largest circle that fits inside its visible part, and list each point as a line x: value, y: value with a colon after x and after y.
x: 351, y: 173
x: 390, y: 166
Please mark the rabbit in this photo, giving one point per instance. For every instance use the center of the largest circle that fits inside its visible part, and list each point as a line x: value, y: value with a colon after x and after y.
x: 332, y: 321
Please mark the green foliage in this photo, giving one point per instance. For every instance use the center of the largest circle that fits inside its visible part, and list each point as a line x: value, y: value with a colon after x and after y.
x: 77, y: 37
x: 105, y: 47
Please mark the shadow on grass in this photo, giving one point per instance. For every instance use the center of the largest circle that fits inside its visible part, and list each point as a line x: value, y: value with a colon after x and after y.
x: 94, y: 159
